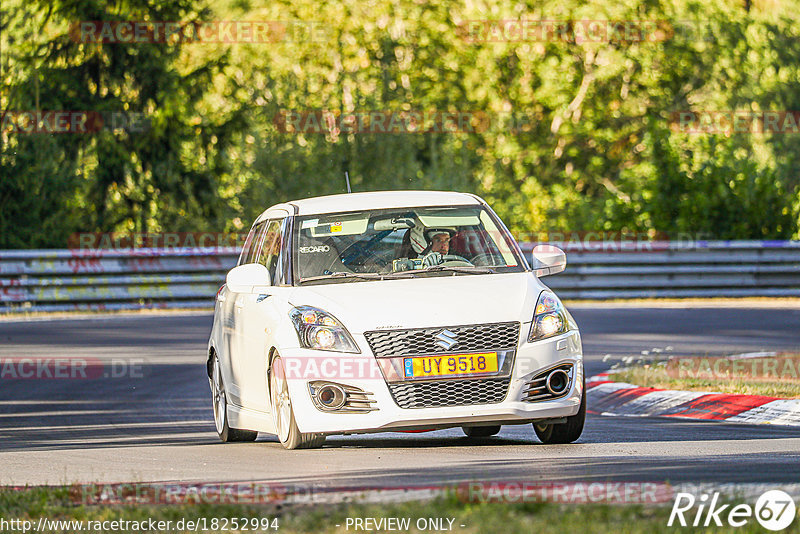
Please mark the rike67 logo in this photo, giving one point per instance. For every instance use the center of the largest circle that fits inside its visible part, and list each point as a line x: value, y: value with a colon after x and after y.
x: 774, y: 510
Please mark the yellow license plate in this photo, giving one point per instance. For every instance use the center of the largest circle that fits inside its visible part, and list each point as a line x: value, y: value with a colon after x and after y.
x: 451, y: 364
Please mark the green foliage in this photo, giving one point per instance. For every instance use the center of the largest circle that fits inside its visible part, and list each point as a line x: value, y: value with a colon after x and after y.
x: 116, y: 178
x: 714, y: 187
x: 580, y: 137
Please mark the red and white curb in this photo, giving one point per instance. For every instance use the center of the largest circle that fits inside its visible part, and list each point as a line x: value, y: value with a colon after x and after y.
x: 606, y: 397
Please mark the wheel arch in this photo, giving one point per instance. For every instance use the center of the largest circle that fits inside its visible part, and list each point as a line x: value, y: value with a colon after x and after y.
x: 271, y: 355
x: 210, y: 361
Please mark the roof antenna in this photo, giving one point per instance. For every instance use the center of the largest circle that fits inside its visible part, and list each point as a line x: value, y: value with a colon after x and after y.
x: 347, y: 179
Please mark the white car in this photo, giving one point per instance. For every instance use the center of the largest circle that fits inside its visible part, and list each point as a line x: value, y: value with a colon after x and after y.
x: 388, y: 311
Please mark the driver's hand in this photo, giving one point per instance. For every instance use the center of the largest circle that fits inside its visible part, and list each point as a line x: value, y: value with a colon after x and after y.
x: 432, y: 258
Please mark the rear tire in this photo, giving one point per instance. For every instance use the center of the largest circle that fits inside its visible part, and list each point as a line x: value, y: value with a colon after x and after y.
x: 283, y: 414
x: 565, y: 432
x: 480, y: 431
x: 219, y: 401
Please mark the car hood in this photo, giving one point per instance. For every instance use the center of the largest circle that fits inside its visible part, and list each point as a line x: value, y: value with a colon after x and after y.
x: 425, y: 302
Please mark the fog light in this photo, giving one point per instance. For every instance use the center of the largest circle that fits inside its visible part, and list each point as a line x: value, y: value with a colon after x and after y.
x: 331, y: 397
x: 326, y: 396
x: 557, y: 382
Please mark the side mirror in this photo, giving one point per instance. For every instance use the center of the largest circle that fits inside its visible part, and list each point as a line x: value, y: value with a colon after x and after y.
x: 248, y: 278
x: 548, y: 260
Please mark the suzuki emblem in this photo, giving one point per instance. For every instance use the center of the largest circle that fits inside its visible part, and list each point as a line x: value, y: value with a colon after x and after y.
x: 446, y: 339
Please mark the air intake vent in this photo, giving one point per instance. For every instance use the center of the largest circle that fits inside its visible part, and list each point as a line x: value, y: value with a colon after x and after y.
x: 449, y: 392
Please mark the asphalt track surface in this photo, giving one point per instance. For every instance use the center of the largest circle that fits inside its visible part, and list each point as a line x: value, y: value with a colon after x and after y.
x: 154, y: 423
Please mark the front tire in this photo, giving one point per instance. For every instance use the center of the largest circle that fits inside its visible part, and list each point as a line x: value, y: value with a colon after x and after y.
x: 283, y: 414
x: 219, y: 401
x: 565, y: 432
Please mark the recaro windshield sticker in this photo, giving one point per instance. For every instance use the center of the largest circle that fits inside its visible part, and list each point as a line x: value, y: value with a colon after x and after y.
x: 313, y: 249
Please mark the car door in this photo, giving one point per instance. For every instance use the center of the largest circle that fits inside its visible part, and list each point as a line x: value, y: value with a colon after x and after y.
x: 261, y: 315
x: 235, y: 313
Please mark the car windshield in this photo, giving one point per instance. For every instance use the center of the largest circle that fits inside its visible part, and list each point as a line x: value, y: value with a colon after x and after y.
x: 402, y: 243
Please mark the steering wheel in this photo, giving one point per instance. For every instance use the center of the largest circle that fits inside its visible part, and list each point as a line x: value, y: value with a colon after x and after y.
x: 488, y: 260
x: 454, y: 260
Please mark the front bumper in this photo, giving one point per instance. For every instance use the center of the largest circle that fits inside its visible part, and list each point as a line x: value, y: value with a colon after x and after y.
x: 363, y: 371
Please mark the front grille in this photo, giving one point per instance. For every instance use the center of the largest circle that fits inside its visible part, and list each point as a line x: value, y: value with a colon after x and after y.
x: 473, y: 338
x: 449, y: 392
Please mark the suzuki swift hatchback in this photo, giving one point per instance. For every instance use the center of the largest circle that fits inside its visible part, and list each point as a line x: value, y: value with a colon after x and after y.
x: 386, y: 311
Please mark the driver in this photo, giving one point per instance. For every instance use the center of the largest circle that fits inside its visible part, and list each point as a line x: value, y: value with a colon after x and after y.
x: 431, y: 244
x: 440, y: 246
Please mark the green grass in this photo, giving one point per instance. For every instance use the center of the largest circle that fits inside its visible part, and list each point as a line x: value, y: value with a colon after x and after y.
x: 476, y: 517
x: 695, y: 374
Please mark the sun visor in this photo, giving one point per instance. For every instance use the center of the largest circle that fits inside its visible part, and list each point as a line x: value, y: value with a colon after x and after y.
x: 334, y: 227
x: 438, y: 221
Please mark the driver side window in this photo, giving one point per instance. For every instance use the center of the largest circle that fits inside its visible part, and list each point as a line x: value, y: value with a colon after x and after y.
x: 251, y: 244
x: 269, y: 255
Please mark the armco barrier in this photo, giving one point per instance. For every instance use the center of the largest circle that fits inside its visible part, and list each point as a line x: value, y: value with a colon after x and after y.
x: 63, y: 280
x: 663, y: 269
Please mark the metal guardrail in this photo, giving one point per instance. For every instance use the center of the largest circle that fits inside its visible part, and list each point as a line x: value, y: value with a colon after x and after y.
x: 614, y: 270
x: 65, y: 280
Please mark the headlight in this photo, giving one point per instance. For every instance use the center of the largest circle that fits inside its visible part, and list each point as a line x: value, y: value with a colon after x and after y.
x: 550, y: 318
x: 320, y: 330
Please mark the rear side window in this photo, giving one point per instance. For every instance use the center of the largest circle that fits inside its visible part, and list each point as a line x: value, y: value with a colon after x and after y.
x: 250, y: 249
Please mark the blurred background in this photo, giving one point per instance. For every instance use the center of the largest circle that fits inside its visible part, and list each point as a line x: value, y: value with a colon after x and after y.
x: 576, y: 133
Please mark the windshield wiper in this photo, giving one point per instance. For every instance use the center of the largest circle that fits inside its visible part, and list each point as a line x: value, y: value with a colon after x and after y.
x: 343, y: 274
x: 458, y: 269
x: 400, y: 274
